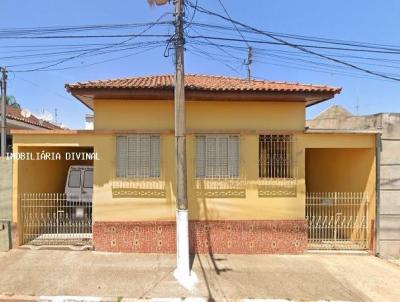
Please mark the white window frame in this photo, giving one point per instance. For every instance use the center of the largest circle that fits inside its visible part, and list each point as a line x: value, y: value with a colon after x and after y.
x: 142, y: 163
x: 232, y: 161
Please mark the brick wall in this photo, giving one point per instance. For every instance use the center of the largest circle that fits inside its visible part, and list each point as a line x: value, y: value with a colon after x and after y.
x: 234, y: 236
x: 15, y: 235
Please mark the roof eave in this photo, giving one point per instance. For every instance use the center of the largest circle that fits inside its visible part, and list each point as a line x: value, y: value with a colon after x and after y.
x: 87, y: 95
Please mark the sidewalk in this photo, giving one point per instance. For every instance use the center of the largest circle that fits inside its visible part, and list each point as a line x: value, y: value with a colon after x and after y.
x: 309, y: 277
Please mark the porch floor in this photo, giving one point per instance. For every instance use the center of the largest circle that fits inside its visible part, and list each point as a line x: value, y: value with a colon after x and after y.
x: 336, y: 245
x: 82, y: 239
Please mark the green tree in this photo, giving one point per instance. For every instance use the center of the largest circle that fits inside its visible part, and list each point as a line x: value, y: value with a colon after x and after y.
x: 12, y: 101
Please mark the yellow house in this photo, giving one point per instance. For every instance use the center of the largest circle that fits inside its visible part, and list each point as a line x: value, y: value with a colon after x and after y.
x: 258, y: 180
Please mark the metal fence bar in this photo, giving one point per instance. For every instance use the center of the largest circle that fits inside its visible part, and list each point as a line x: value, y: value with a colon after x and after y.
x: 337, y: 220
x: 276, y: 158
x: 55, y: 219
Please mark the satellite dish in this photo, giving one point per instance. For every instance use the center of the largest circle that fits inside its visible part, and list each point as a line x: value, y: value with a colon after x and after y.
x: 26, y: 113
x: 45, y: 116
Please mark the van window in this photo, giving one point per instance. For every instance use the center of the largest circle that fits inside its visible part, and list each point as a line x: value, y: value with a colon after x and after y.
x: 88, y: 179
x: 74, y: 180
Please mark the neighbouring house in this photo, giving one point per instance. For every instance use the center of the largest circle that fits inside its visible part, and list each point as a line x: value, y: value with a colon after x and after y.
x: 18, y: 119
x: 388, y: 222
x: 258, y: 180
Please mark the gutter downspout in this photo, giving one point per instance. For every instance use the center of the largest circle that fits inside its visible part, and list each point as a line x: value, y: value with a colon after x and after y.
x: 378, y: 148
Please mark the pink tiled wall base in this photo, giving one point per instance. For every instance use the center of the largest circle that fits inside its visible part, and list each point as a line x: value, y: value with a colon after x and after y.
x: 232, y: 237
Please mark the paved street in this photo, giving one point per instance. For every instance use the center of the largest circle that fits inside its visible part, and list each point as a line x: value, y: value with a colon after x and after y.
x: 309, y: 277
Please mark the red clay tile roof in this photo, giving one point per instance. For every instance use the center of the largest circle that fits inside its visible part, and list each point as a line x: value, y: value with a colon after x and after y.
x: 203, y: 83
x: 15, y: 114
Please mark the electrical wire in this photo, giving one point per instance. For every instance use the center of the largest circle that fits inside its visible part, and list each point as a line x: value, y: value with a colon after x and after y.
x: 281, y: 42
x: 306, y: 38
x: 202, y: 53
x: 237, y: 29
x: 13, y: 32
x: 301, y: 48
x: 103, y: 61
x: 300, y: 54
x: 94, y: 50
x: 127, y: 48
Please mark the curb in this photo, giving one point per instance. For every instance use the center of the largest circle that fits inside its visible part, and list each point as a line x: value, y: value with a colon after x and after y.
x: 27, y: 298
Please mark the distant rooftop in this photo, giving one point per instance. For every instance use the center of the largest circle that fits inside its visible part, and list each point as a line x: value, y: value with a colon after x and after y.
x: 16, y: 114
x: 337, y: 118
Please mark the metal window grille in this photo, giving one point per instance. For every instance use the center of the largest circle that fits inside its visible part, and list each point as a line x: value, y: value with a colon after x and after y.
x: 276, y: 156
x: 217, y: 156
x: 138, y: 156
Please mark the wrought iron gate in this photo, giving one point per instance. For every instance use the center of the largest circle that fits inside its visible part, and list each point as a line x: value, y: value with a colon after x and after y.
x: 337, y: 220
x: 55, y: 219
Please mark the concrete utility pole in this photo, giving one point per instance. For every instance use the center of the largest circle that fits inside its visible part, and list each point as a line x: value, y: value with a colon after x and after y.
x: 3, y: 111
x: 249, y: 61
x: 182, y: 217
x: 182, y: 271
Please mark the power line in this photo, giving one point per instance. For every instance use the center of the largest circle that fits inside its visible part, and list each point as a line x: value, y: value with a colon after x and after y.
x: 52, y: 46
x: 215, y: 45
x: 293, y: 45
x: 45, y: 89
x: 57, y: 29
x: 66, y: 52
x: 88, y: 36
x: 200, y: 52
x: 308, y: 38
x: 292, y: 55
x: 193, y: 15
x: 94, y: 54
x: 300, y: 54
x: 98, y: 49
x: 103, y: 61
x: 249, y: 59
x: 147, y: 48
x: 280, y: 40
x: 321, y: 68
x: 237, y: 29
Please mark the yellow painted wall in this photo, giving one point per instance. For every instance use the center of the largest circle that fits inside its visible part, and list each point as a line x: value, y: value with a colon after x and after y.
x: 240, y: 199
x: 361, y: 174
x: 125, y: 115
x: 203, y: 116
x: 252, y: 206
x: 46, y: 176
x: 344, y: 170
x: 108, y: 207
x: 340, y: 170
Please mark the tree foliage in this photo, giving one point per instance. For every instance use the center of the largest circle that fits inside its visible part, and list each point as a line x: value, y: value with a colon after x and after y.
x: 12, y: 101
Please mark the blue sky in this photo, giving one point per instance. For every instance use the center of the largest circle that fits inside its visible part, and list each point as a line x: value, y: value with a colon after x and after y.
x: 367, y: 21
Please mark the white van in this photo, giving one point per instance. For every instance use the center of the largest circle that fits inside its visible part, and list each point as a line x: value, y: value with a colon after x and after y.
x: 79, y: 188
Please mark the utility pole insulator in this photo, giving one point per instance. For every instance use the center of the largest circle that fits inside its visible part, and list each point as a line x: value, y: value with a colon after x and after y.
x: 249, y: 61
